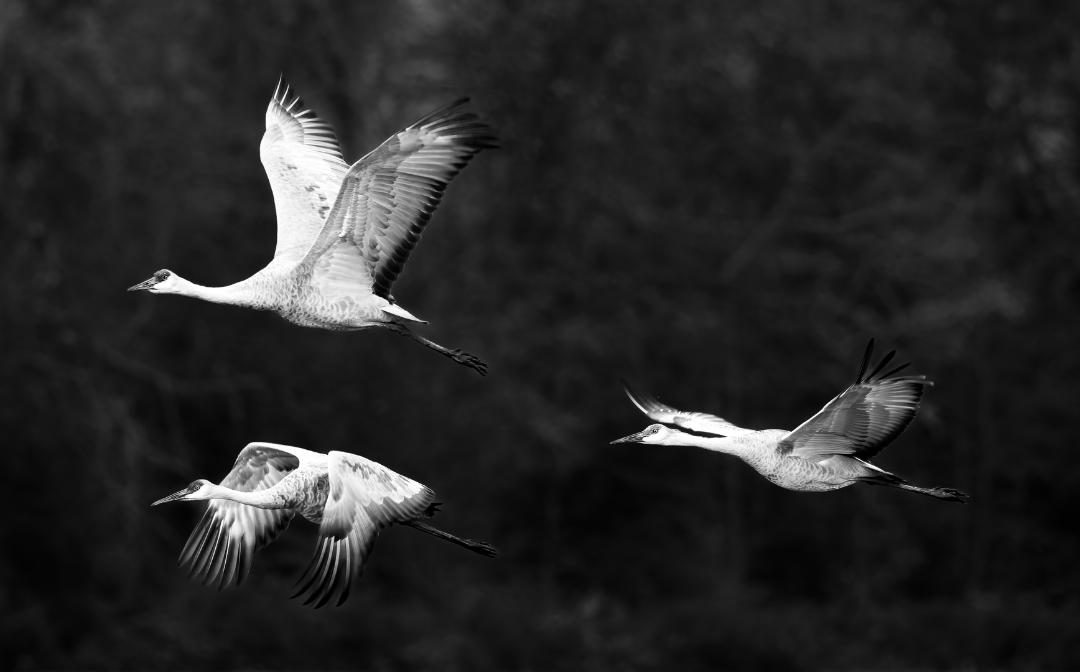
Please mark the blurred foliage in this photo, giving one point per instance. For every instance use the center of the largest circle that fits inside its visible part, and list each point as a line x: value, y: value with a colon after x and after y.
x: 721, y: 201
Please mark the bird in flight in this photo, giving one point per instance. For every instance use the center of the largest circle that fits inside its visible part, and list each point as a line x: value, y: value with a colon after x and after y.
x: 831, y: 450
x: 350, y: 497
x: 344, y: 232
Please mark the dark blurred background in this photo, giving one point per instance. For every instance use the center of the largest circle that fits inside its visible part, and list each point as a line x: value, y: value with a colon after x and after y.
x: 719, y: 201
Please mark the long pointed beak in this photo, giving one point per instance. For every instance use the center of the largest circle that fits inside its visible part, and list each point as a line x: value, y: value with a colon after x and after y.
x: 145, y: 284
x: 171, y: 498
x: 633, y: 438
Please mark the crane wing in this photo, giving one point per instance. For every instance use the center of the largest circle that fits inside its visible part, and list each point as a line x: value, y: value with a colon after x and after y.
x: 701, y: 423
x: 388, y: 196
x: 364, y: 498
x: 303, y: 162
x: 862, y: 419
x: 220, y: 549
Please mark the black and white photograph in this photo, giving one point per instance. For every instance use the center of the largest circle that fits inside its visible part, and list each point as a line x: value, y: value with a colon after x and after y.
x: 604, y: 335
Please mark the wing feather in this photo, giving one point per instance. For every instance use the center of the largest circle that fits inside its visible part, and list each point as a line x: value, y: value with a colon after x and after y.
x: 220, y: 549
x: 364, y: 498
x: 303, y: 162
x: 702, y: 423
x: 388, y: 196
x: 862, y: 419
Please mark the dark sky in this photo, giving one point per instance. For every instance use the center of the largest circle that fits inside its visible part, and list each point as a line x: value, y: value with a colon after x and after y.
x: 718, y: 201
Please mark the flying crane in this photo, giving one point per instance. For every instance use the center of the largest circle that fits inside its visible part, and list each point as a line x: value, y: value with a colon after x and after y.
x: 344, y: 232
x: 351, y: 497
x: 829, y: 451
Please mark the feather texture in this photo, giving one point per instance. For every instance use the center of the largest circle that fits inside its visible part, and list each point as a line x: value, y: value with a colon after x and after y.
x: 862, y: 419
x: 387, y: 197
x: 221, y: 548
x: 364, y: 498
x: 303, y: 162
x: 352, y: 498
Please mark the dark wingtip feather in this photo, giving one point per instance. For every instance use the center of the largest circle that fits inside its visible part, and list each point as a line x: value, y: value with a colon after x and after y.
x: 328, y: 575
x: 328, y: 580
x: 302, y: 583
x: 438, y: 112
x: 881, y: 365
x: 894, y: 371
x: 866, y: 361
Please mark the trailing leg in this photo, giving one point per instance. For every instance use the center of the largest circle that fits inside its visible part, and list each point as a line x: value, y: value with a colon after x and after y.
x: 481, y: 547
x: 948, y: 494
x: 459, y: 356
x: 892, y: 480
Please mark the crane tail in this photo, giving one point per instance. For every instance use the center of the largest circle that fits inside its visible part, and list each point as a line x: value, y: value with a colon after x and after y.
x: 399, y: 312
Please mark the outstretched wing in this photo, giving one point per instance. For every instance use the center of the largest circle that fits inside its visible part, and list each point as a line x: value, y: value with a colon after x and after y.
x: 220, y: 549
x: 303, y: 161
x: 364, y: 498
x: 862, y: 419
x: 702, y: 423
x: 388, y: 196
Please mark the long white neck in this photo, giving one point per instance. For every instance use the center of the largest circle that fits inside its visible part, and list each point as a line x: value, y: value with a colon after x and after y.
x: 270, y: 498
x: 720, y: 444
x: 244, y: 293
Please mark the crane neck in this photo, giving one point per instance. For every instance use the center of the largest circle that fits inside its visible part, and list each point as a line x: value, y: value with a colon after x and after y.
x: 718, y: 444
x: 270, y: 498
x: 244, y: 293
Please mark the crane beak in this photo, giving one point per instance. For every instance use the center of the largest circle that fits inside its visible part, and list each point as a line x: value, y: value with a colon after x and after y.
x: 633, y: 438
x: 172, y: 498
x: 145, y: 284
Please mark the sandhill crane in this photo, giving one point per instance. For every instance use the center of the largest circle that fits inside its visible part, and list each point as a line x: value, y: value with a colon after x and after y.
x: 829, y: 451
x: 351, y: 497
x: 344, y: 232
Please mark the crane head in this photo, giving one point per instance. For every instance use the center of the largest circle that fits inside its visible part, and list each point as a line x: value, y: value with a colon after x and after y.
x: 198, y: 489
x: 652, y: 434
x: 163, y: 282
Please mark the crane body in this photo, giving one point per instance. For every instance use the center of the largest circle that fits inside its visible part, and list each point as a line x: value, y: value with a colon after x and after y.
x: 829, y: 451
x: 345, y: 231
x: 350, y: 497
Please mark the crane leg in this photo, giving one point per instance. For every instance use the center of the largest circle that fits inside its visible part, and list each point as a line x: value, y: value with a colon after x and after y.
x: 481, y: 547
x: 459, y: 356
x: 948, y: 494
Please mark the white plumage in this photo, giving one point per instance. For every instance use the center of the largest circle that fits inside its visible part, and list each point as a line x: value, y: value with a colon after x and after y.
x: 344, y: 232
x: 351, y: 497
x: 831, y: 450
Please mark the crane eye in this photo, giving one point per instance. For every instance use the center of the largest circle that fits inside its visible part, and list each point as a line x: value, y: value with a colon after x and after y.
x: 161, y: 275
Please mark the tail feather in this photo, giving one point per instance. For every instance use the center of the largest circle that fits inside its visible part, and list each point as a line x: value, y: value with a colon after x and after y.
x: 398, y: 311
x: 481, y: 547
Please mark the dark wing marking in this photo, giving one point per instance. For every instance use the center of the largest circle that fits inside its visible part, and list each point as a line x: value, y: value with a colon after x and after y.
x: 388, y: 196
x: 862, y: 419
x: 702, y: 423
x: 364, y: 498
x: 221, y: 548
